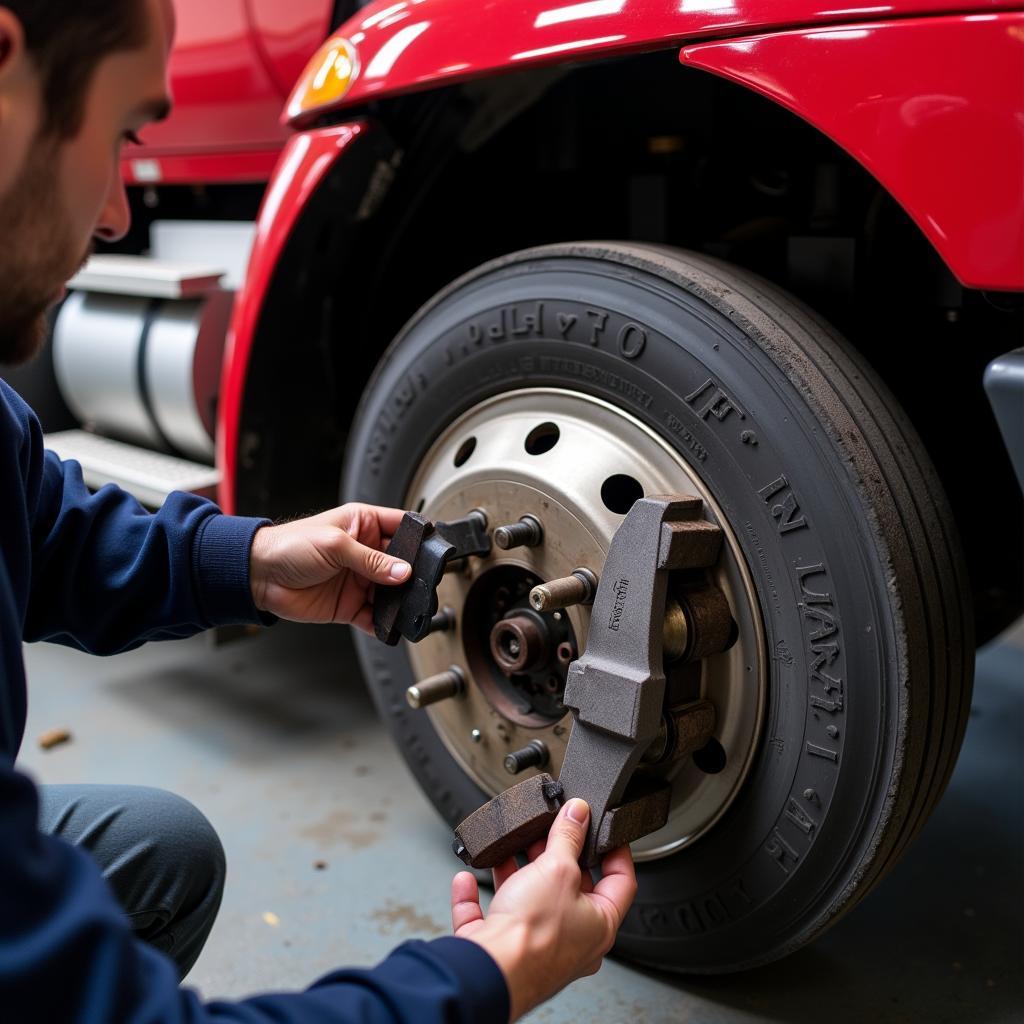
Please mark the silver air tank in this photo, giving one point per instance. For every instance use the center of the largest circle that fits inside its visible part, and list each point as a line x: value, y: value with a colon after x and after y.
x: 144, y: 368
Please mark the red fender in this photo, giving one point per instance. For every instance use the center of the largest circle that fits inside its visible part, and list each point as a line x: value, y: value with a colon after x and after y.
x: 404, y: 45
x: 931, y: 107
x: 887, y: 92
x: 305, y: 163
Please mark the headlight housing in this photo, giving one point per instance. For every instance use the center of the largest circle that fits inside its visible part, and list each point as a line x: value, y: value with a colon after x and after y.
x: 327, y: 78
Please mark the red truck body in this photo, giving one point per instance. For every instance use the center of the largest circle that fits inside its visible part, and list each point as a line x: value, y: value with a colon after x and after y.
x: 925, y: 94
x: 233, y: 66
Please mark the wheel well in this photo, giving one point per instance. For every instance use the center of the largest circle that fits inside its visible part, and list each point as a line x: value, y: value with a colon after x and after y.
x: 644, y: 149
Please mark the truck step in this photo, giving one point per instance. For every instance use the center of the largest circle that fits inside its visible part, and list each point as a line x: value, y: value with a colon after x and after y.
x: 140, y: 275
x: 150, y: 476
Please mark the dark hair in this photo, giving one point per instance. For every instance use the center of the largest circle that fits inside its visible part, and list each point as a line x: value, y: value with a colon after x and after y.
x: 68, y: 39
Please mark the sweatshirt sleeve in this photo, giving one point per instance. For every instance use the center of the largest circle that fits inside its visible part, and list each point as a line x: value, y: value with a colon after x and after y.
x: 67, y: 953
x: 108, y: 575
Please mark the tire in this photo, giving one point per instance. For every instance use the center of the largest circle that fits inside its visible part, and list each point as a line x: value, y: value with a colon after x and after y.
x: 860, y: 586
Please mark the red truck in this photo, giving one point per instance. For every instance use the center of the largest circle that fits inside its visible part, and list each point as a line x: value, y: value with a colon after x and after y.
x: 540, y: 259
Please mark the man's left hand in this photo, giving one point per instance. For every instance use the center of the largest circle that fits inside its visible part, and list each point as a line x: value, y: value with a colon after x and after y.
x: 323, y: 569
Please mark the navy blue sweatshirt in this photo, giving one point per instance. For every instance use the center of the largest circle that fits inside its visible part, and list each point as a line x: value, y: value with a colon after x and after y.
x: 98, y: 572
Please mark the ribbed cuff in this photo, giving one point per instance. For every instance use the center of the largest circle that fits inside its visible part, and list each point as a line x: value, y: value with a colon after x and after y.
x: 485, y: 988
x: 220, y: 566
x: 447, y: 981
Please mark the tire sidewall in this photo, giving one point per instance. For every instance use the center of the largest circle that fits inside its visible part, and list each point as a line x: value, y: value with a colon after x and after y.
x: 789, y: 851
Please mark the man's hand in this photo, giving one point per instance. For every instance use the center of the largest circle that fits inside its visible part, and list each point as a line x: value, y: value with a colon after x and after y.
x: 323, y: 569
x: 548, y: 923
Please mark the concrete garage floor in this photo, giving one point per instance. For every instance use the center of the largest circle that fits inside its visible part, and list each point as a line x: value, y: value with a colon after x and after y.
x: 334, y: 856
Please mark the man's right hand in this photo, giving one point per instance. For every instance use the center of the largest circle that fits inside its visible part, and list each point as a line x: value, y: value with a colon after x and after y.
x: 548, y: 923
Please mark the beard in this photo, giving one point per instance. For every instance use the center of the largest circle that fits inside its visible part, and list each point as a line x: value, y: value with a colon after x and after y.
x: 36, y: 247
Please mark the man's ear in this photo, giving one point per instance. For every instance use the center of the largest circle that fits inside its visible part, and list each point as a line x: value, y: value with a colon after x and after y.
x: 12, y: 40
x: 20, y: 96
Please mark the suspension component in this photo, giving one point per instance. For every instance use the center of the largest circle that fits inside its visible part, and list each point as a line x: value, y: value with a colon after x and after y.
x: 436, y: 688
x: 578, y: 588
x: 526, y: 533
x: 533, y: 755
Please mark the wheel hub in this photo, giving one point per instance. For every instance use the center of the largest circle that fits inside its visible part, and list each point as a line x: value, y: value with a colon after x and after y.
x: 512, y: 650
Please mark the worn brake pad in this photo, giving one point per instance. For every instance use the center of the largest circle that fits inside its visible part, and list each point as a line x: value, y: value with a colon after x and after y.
x: 510, y: 823
x: 406, y: 610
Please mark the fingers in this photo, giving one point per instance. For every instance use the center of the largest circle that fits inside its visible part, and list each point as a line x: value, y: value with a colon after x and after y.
x: 372, y: 564
x: 465, y: 901
x: 363, y: 620
x: 618, y: 883
x: 503, y: 872
x: 569, y: 830
x: 536, y: 849
x: 387, y: 518
x: 351, y: 517
x: 586, y: 881
x: 365, y: 532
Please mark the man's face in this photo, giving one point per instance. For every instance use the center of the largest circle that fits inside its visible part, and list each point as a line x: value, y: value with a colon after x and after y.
x: 57, y: 194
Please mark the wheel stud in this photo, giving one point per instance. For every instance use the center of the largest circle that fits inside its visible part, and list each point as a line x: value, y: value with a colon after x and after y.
x: 436, y: 688
x: 526, y: 533
x: 443, y: 621
x: 579, y: 588
x: 533, y: 755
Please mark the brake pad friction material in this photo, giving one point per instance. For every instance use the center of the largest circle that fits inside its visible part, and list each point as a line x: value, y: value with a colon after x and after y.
x: 633, y: 819
x: 406, y: 610
x: 509, y: 823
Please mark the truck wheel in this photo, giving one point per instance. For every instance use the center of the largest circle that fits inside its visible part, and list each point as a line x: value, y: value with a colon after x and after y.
x: 565, y: 382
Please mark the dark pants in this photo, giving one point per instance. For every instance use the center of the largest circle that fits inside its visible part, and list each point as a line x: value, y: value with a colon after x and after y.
x: 158, y: 853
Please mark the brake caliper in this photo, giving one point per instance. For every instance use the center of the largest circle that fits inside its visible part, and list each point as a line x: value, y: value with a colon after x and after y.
x: 616, y: 690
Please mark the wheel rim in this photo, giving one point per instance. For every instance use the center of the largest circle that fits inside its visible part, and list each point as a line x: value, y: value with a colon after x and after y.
x: 576, y: 463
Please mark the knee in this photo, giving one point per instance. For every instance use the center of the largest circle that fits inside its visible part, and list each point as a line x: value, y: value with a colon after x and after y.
x: 186, y: 837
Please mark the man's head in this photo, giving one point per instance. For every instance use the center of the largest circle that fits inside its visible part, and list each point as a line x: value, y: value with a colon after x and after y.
x: 77, y: 78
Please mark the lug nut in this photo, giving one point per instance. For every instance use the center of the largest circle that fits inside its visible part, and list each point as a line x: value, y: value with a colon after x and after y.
x: 436, y: 688
x: 526, y: 533
x: 533, y: 755
x: 579, y: 588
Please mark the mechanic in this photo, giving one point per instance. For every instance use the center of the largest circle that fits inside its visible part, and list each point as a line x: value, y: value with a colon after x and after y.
x: 107, y: 893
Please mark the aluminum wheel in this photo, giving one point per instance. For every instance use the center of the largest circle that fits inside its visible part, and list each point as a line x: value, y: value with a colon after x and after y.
x: 575, y: 463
